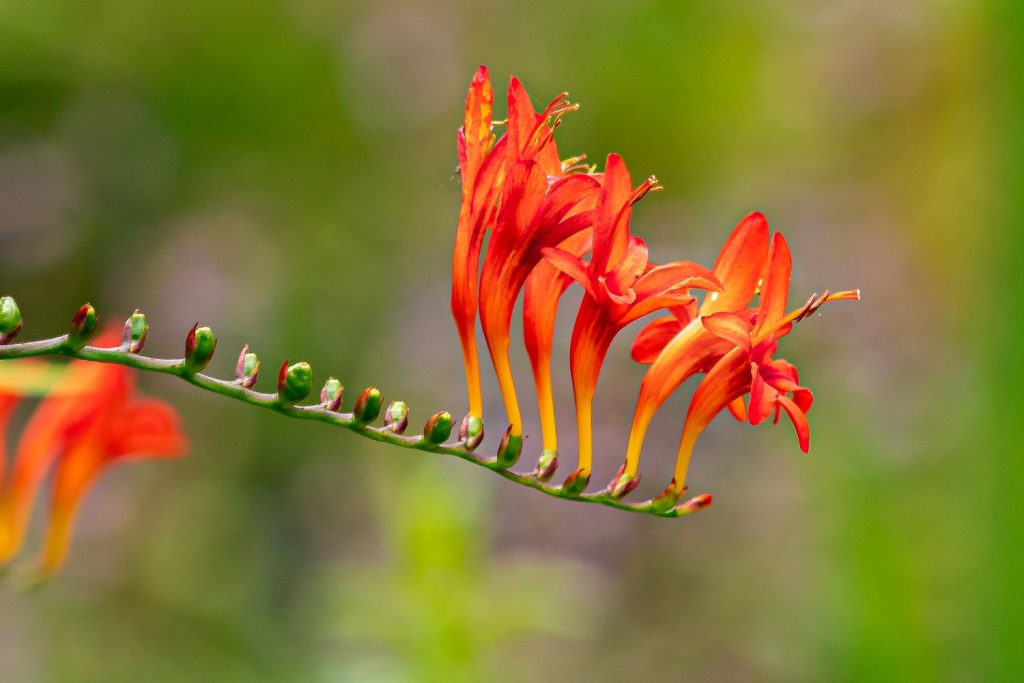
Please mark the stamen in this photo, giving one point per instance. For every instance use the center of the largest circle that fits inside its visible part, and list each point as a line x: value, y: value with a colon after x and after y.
x: 649, y: 185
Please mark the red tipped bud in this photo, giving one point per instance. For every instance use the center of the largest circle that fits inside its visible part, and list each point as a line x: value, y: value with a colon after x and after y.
x: 10, y: 319
x: 694, y: 504
x: 622, y: 484
x: 83, y: 327
x: 438, y: 428
x: 331, y: 394
x: 509, y: 449
x: 294, y: 382
x: 367, y: 406
x: 135, y: 330
x: 247, y: 370
x: 546, y: 465
x: 199, y: 347
x: 471, y: 431
x: 396, y: 417
x: 576, y: 483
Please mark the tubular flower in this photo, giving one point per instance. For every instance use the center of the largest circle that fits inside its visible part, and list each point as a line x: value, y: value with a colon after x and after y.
x: 542, y: 203
x: 544, y: 289
x: 621, y: 286
x: 735, y: 349
x: 79, y: 432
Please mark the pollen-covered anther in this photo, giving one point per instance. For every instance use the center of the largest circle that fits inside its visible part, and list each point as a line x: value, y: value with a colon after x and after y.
x: 471, y: 431
x: 396, y: 417
x: 10, y: 319
x: 331, y: 395
x: 247, y: 370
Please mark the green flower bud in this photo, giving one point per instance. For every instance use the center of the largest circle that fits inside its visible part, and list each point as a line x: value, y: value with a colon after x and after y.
x: 396, y: 417
x: 438, y: 428
x: 294, y: 382
x: 331, y: 394
x: 509, y: 449
x: 83, y: 327
x: 199, y: 347
x: 10, y: 319
x: 135, y: 330
x: 367, y: 406
x: 247, y: 370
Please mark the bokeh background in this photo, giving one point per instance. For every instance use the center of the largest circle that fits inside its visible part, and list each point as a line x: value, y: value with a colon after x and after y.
x: 283, y: 171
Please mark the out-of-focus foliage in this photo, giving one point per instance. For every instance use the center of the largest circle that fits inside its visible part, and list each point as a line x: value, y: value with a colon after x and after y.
x: 282, y: 171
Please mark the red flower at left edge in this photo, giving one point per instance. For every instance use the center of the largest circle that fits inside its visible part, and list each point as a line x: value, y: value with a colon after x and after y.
x: 90, y: 420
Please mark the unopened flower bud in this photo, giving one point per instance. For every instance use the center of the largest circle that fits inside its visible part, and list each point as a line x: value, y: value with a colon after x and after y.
x: 509, y: 449
x: 135, y: 330
x: 367, y: 406
x: 546, y: 465
x: 83, y: 327
x: 247, y: 370
x: 438, y: 428
x: 199, y: 347
x: 622, y: 483
x: 10, y: 319
x: 331, y: 394
x: 294, y: 382
x: 471, y: 431
x: 576, y: 483
x: 696, y: 503
x: 667, y: 499
x: 396, y: 417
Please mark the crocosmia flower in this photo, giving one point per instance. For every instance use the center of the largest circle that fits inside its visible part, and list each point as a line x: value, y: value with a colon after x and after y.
x: 733, y: 345
x: 90, y: 421
x: 620, y: 286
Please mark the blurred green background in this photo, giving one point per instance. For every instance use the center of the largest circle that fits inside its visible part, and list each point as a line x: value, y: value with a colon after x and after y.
x: 283, y: 171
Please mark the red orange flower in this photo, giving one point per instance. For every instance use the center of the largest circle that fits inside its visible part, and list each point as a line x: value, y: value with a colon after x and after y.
x: 91, y: 421
x: 621, y: 286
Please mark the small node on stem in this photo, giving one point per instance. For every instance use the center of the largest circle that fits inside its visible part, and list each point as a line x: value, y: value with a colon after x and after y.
x: 10, y: 319
x: 667, y: 499
x: 331, y: 394
x: 247, y: 370
x: 471, y: 431
x: 199, y: 347
x: 396, y: 417
x: 83, y: 327
x: 367, y: 406
x: 547, y: 464
x: 622, y: 484
x: 294, y: 382
x: 135, y: 330
x: 576, y: 483
x: 509, y: 449
x: 438, y: 428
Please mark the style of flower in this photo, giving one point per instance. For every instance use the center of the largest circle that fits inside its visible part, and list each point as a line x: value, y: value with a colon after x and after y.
x: 89, y: 422
x: 621, y: 286
x: 734, y: 346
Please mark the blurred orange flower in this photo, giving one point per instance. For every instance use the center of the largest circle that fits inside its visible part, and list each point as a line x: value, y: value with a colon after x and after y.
x: 90, y: 420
